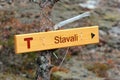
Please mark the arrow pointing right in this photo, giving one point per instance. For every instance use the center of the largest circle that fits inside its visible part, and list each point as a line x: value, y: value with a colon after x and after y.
x: 92, y: 35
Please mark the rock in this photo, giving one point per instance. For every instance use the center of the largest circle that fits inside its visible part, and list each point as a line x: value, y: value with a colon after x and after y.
x: 65, y: 76
x: 114, y: 34
x: 115, y: 31
x: 102, y: 33
x: 1, y: 7
x: 76, y: 72
x: 90, y: 4
x: 114, y: 74
x: 110, y: 3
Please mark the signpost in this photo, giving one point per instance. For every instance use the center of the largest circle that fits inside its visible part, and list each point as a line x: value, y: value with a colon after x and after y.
x: 45, y: 41
x: 56, y: 39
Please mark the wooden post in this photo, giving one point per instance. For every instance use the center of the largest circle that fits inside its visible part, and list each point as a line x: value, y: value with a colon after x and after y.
x: 43, y: 63
x: 44, y: 59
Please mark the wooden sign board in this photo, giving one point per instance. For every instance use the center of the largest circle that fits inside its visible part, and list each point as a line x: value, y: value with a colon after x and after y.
x: 56, y: 39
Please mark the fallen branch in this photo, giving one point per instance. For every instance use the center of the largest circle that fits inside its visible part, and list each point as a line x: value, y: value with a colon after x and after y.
x: 62, y: 23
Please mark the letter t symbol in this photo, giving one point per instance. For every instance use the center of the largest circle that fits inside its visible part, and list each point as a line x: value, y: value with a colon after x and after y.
x: 28, y: 41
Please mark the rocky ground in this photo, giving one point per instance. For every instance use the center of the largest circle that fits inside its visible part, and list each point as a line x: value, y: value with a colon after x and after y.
x: 90, y: 62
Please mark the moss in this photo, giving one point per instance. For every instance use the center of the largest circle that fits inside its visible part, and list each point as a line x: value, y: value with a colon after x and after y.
x: 10, y: 76
x: 6, y: 15
x: 1, y: 42
x: 59, y: 76
x: 10, y: 42
x: 100, y: 69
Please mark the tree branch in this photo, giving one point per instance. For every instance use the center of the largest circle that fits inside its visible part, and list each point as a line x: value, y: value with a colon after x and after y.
x: 65, y: 22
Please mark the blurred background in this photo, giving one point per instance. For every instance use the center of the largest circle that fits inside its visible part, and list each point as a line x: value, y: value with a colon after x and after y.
x: 89, y: 62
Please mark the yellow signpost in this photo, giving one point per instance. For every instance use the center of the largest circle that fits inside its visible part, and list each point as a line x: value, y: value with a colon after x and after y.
x: 56, y: 39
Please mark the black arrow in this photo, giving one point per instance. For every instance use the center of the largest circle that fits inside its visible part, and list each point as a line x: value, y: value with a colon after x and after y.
x: 92, y: 35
